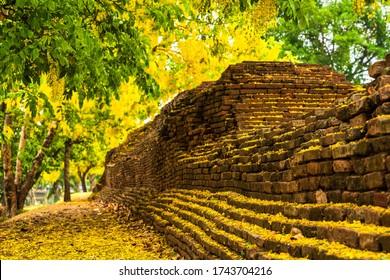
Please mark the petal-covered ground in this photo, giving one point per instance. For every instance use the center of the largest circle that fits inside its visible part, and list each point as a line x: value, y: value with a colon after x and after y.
x: 79, y: 230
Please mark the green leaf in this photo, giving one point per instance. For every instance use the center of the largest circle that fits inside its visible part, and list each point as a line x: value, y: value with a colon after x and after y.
x: 20, y: 3
x: 35, y: 54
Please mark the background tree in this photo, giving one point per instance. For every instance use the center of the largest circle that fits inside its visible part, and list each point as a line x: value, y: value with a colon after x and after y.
x: 338, y: 36
x: 91, y: 46
x: 210, y: 36
x: 56, y: 54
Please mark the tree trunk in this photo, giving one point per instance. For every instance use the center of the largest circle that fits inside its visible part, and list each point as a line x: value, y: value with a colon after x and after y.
x: 31, y: 176
x: 19, y: 165
x: 83, y: 175
x: 83, y: 182
x: 92, y: 181
x: 68, y: 147
x: 10, y: 194
x: 2, y: 202
x: 54, y: 191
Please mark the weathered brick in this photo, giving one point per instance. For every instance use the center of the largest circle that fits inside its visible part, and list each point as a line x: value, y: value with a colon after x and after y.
x: 253, y: 177
x: 366, y: 198
x: 383, y: 80
x: 378, y: 126
x: 287, y: 175
x: 342, y: 166
x: 381, y: 199
x: 323, y: 233
x: 379, y: 144
x: 359, y: 120
x: 326, y: 153
x: 267, y: 187
x: 286, y: 198
x: 387, y: 180
x: 374, y: 180
x: 363, y: 105
x: 308, y: 252
x: 384, y: 242
x: 299, y: 197
x: 308, y: 183
x: 326, y: 168
x: 290, y: 211
x: 355, y: 214
x: 226, y: 176
x: 299, y: 171
x: 369, y: 242
x: 376, y: 68
x: 290, y: 187
x: 310, y: 155
x: 362, y: 148
x: 334, y: 182
x: 355, y: 133
x: 372, y: 217
x: 313, y: 168
x: 335, y: 214
x: 311, y: 197
x: 375, y: 163
x: 370, y: 164
x: 331, y: 139
x: 346, y: 236
x: 383, y: 109
x: 388, y: 163
x: 349, y: 197
x: 334, y: 196
x: 385, y: 219
x: 384, y: 93
x: 342, y: 151
x: 343, y: 113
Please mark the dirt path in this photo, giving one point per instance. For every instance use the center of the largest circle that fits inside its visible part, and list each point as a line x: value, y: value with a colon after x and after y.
x: 79, y: 230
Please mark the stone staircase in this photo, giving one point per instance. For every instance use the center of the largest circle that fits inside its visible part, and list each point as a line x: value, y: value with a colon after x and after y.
x: 227, y: 225
x: 268, y: 94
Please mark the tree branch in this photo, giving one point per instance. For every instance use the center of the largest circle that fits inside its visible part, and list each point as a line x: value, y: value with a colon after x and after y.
x: 31, y: 175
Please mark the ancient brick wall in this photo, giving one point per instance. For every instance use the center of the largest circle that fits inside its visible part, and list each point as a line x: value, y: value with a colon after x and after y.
x: 252, y: 96
x: 272, y: 161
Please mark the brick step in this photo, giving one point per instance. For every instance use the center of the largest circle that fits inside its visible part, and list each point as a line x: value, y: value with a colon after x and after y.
x: 260, y: 121
x: 278, y: 107
x: 307, y: 80
x: 195, y: 231
x: 283, y: 74
x: 210, y: 151
x: 265, y: 117
x: 253, y: 127
x: 245, y: 130
x: 283, y: 95
x: 355, y: 235
x: 293, y: 111
x: 314, y: 212
x: 182, y: 242
x: 213, y: 236
x: 282, y: 98
x: 269, y: 239
x: 281, y: 102
x: 260, y: 114
x: 281, y: 109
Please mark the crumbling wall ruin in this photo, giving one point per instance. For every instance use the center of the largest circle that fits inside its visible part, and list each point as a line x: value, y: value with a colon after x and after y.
x: 269, y: 152
x: 250, y: 98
